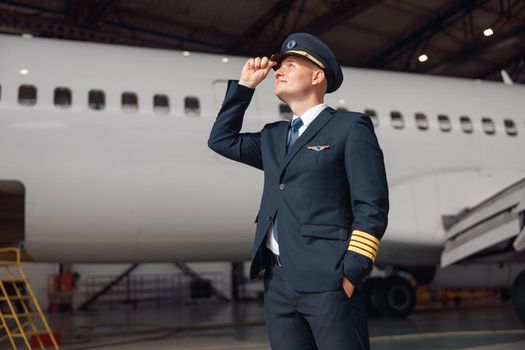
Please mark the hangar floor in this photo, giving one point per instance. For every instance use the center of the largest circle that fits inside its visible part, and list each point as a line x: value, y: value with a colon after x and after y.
x: 237, y: 326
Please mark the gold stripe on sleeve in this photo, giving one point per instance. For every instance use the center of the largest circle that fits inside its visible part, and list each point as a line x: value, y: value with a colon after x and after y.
x: 366, y: 235
x: 362, y: 252
x: 356, y: 238
x: 364, y: 247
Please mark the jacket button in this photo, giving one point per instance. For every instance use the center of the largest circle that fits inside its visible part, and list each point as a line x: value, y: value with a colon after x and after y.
x: 281, y: 186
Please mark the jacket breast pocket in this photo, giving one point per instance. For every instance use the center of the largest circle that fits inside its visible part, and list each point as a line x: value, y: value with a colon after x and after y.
x: 325, y: 231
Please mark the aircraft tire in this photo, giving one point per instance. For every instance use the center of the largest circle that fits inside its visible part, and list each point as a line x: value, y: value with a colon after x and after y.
x: 394, y: 297
x: 371, y: 285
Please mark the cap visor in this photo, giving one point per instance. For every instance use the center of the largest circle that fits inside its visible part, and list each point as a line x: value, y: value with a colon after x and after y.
x: 280, y: 56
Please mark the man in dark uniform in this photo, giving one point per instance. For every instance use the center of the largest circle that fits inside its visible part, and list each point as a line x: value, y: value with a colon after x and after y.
x: 325, y: 202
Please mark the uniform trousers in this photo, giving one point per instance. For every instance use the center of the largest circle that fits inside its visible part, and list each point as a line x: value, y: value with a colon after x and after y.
x: 312, y: 321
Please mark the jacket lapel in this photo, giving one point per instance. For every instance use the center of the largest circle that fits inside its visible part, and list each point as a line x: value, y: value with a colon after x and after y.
x: 316, y: 126
x: 282, y: 141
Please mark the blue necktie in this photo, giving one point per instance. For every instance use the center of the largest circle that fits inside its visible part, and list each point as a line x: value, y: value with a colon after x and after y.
x: 294, y: 134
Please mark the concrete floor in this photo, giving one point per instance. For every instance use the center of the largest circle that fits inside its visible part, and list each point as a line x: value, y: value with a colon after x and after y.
x: 236, y: 326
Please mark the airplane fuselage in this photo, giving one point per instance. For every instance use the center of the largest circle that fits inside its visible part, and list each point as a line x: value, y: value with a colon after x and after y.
x: 128, y: 181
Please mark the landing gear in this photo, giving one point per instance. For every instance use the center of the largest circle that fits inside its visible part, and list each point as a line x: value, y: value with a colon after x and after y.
x: 371, y: 291
x: 393, y: 296
x: 518, y: 296
x: 505, y: 294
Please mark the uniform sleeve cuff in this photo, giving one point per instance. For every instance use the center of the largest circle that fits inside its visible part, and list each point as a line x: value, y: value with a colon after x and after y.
x: 364, y: 244
x: 235, y: 84
x: 356, y: 268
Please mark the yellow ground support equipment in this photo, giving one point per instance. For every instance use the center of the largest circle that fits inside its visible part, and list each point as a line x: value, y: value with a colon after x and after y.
x: 23, y: 325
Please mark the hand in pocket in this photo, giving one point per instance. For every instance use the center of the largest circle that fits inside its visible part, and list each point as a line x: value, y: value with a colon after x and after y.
x: 348, y: 287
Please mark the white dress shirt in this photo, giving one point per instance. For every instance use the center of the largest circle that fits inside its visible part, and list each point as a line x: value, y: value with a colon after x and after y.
x: 307, y: 118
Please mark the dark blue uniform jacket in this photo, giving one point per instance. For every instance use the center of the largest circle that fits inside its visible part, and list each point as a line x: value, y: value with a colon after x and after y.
x: 332, y: 203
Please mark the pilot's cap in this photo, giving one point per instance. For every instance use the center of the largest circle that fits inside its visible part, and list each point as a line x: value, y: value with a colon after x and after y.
x: 312, y: 48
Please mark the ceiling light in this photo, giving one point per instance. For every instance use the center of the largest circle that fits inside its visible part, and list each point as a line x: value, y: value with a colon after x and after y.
x: 488, y: 32
x: 185, y: 53
x: 24, y: 71
x: 225, y: 60
x: 423, y: 58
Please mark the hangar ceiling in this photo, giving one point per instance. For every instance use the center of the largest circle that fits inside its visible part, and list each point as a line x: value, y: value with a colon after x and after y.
x: 381, y: 34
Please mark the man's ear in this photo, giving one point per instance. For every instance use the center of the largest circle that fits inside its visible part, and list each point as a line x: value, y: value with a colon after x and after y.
x: 318, y: 77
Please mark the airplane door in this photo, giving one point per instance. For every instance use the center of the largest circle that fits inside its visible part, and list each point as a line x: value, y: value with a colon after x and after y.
x: 426, y: 209
x: 252, y: 122
x: 219, y: 90
x: 12, y: 213
x: 439, y: 195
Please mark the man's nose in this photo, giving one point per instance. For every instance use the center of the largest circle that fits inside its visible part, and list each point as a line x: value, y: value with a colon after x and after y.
x: 278, y: 73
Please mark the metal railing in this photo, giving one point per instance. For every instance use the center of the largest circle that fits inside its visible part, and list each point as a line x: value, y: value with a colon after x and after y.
x: 151, y: 288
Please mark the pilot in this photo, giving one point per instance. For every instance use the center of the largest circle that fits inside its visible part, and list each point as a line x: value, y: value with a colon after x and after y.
x: 325, y: 202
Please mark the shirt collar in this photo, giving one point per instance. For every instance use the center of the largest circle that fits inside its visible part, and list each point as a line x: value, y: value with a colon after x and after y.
x: 310, y: 114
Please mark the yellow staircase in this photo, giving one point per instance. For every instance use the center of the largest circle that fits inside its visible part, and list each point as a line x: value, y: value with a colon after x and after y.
x: 23, y: 324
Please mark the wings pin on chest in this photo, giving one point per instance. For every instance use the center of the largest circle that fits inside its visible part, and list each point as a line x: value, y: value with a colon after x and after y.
x: 319, y: 148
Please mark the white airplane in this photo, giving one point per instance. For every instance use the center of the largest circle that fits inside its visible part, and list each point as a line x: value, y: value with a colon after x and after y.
x: 104, y: 159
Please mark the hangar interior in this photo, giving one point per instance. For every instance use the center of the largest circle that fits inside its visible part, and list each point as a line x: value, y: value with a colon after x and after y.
x: 388, y: 34
x: 214, y: 305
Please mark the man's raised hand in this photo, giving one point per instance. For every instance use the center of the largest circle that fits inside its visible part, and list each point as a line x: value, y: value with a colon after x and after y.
x: 255, y: 70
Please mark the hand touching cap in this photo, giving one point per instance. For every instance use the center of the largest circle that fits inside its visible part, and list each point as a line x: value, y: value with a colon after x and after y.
x: 255, y: 70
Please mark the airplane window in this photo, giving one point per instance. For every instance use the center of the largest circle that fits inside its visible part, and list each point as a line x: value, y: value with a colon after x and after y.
x: 466, y: 124
x: 192, y: 106
x: 161, y: 104
x: 62, y: 97
x: 373, y: 115
x: 97, y: 100
x: 421, y: 121
x: 396, y: 119
x: 130, y: 102
x: 488, y: 126
x: 285, y: 112
x: 444, y: 122
x: 27, y: 95
x: 510, y: 127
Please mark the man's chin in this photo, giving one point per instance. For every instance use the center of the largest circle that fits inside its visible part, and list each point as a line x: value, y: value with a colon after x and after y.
x: 280, y: 95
